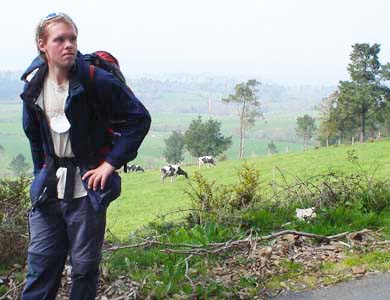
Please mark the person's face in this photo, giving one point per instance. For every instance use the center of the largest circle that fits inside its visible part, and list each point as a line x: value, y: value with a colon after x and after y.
x: 60, y: 45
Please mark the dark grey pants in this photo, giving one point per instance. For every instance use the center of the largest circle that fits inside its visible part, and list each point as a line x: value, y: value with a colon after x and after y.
x: 56, y: 230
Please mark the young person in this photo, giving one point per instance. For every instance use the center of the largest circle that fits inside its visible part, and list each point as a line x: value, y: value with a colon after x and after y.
x: 80, y: 130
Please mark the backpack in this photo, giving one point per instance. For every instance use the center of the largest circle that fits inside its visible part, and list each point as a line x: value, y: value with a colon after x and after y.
x: 107, y: 62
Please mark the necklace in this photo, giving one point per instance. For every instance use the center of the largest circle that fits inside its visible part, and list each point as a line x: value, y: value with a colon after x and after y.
x: 58, y: 121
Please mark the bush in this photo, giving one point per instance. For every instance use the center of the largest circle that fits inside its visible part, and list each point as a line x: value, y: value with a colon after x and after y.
x: 218, y: 202
x: 14, y: 203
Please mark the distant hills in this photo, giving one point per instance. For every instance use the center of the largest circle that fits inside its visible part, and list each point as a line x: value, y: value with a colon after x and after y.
x: 196, y: 93
x: 202, y: 94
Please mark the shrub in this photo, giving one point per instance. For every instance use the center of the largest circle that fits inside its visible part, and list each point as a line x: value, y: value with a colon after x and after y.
x: 218, y: 202
x: 247, y: 191
x: 14, y: 203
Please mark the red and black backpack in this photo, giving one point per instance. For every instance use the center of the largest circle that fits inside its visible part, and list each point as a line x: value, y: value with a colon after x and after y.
x: 106, y: 61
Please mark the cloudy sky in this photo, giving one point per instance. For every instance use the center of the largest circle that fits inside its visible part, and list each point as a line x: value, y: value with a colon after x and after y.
x: 282, y: 41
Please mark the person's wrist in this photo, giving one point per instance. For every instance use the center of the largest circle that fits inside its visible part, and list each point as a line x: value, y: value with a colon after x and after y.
x: 108, y: 167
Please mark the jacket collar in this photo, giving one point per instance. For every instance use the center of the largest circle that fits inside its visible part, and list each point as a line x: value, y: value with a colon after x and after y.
x: 36, y: 72
x: 37, y: 63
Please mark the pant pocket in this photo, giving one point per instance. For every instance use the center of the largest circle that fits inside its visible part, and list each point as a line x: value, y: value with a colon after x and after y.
x: 101, y: 198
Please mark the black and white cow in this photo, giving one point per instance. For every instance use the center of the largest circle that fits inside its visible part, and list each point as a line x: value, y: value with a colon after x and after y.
x: 133, y: 168
x: 137, y: 168
x: 172, y: 171
x: 203, y: 160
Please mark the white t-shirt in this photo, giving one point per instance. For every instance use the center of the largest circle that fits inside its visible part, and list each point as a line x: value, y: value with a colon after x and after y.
x: 52, y: 101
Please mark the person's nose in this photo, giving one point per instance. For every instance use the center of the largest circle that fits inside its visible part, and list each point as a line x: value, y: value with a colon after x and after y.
x: 70, y: 44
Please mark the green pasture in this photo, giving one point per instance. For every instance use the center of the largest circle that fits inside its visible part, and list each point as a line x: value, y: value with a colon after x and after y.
x: 144, y: 197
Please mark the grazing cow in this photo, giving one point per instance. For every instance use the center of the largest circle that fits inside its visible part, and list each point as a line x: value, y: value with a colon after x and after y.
x: 209, y: 160
x: 126, y: 168
x: 136, y: 168
x: 133, y: 168
x: 172, y: 171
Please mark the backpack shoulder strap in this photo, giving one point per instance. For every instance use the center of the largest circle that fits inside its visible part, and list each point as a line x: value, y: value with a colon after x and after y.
x: 91, y: 72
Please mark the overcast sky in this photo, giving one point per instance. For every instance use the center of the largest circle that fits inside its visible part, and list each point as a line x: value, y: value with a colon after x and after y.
x: 282, y: 41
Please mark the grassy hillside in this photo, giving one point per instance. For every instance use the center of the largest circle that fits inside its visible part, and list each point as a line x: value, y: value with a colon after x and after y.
x: 144, y: 197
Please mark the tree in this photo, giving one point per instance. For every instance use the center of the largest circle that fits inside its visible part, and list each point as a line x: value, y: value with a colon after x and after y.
x: 173, y: 152
x: 361, y: 99
x: 305, y: 129
x: 272, y: 148
x: 205, y: 138
x: 248, y: 107
x: 18, y: 165
x: 327, y: 117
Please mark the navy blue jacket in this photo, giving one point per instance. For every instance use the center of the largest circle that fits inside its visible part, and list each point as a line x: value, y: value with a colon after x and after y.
x: 108, y: 122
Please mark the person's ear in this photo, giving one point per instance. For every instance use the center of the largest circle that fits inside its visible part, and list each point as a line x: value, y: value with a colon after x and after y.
x: 41, y: 45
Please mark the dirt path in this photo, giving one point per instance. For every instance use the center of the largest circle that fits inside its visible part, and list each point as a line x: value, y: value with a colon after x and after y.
x: 373, y: 287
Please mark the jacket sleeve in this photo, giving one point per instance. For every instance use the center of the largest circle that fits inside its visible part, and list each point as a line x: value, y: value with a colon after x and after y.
x: 127, y: 116
x: 32, y: 130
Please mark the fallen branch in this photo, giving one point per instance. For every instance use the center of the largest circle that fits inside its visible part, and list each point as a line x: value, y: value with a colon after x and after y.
x: 215, y: 248
x: 345, y: 244
x: 151, y: 243
x: 381, y: 243
x: 221, y: 247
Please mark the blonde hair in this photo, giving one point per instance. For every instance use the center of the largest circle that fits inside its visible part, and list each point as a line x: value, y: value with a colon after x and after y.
x: 53, y: 18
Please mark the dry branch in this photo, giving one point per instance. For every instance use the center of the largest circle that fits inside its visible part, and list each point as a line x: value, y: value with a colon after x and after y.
x: 215, y: 248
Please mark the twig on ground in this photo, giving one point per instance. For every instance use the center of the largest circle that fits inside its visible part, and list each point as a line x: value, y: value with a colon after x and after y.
x: 11, y: 290
x: 148, y: 243
x: 344, y: 244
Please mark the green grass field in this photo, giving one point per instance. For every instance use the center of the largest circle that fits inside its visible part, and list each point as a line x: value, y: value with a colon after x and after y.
x: 144, y: 197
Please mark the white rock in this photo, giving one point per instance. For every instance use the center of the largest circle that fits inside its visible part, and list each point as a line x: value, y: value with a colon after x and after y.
x: 305, y: 213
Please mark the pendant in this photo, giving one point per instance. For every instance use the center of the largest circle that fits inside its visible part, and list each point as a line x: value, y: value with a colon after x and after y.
x: 59, y: 123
